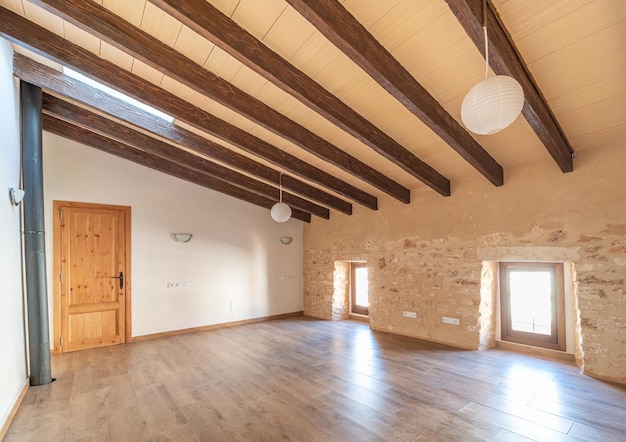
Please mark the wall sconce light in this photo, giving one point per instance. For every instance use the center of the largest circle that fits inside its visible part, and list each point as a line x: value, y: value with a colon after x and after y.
x: 286, y: 239
x: 181, y: 237
x: 16, y: 196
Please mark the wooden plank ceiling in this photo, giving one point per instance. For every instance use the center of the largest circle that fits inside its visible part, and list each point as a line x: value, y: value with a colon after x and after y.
x: 348, y: 100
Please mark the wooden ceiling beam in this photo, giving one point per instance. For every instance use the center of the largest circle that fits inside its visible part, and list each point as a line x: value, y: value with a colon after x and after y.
x: 505, y: 59
x: 54, y: 81
x: 99, y: 21
x: 209, y: 22
x: 113, y: 147
x: 49, y: 45
x: 351, y: 37
x: 95, y: 123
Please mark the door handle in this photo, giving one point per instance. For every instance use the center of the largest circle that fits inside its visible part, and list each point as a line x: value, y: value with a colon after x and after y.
x: 121, y: 278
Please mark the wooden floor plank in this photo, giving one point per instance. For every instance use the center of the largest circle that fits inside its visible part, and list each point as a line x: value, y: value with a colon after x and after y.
x: 178, y: 434
x: 128, y: 424
x: 508, y: 436
x: 387, y: 427
x: 87, y: 417
x: 420, y: 392
x: 512, y: 408
x: 517, y: 425
x: 208, y: 423
x: 51, y: 426
x: 473, y: 391
x: 316, y: 411
x: 587, y: 432
x: 594, y: 414
x: 306, y: 379
x: 282, y: 421
x: 442, y: 424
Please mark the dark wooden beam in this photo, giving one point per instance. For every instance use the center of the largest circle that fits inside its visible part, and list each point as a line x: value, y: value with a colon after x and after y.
x: 505, y: 59
x: 209, y: 22
x: 347, y: 33
x: 49, y: 45
x: 113, y: 147
x: 112, y: 129
x: 99, y: 21
x: 54, y: 81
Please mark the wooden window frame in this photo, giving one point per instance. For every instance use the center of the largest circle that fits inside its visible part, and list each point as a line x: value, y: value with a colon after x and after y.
x: 354, y: 308
x: 555, y: 341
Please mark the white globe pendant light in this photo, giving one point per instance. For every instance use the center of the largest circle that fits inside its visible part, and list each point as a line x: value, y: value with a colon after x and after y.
x: 494, y: 103
x: 280, y: 212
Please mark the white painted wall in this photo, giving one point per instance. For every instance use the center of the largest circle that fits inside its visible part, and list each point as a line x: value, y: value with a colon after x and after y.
x: 13, y: 374
x: 236, y: 265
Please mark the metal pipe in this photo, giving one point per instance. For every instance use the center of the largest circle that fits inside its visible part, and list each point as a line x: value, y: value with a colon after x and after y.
x: 34, y: 235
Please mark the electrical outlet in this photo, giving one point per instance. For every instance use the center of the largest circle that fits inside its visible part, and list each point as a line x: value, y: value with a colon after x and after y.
x: 175, y: 285
x: 453, y: 321
x: 409, y: 314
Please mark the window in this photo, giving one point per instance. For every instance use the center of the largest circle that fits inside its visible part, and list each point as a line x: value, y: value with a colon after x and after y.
x: 359, y: 302
x: 95, y: 84
x: 532, y: 304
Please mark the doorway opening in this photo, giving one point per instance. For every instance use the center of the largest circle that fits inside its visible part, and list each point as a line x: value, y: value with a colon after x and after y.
x: 350, y: 291
x: 532, y: 304
x: 359, y: 293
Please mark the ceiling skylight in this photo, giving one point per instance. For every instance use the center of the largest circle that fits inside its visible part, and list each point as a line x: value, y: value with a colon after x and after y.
x: 80, y: 77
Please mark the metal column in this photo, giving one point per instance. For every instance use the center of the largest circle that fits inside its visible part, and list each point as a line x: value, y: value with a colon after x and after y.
x: 34, y: 235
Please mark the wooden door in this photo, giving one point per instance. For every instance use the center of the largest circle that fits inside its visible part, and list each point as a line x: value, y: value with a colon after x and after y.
x: 92, y: 305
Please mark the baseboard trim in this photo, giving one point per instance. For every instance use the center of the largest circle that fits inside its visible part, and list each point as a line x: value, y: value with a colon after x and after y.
x: 424, y: 341
x: 16, y: 405
x: 536, y: 351
x: 359, y: 318
x: 620, y: 382
x: 214, y: 326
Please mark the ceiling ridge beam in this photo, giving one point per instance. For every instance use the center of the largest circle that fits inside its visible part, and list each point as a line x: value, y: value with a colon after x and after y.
x: 354, y: 40
x: 119, y: 149
x: 49, y: 45
x: 99, y: 21
x: 210, y: 23
x: 59, y: 83
x: 505, y: 59
x: 112, y: 129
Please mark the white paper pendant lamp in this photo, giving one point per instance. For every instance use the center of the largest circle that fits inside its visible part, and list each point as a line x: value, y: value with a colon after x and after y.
x: 280, y: 212
x: 492, y: 105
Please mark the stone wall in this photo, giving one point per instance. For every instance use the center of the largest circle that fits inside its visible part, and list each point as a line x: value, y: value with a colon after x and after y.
x: 437, y: 255
x: 341, y: 293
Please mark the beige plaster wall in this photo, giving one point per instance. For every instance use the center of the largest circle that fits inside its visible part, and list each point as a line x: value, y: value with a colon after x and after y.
x: 433, y: 256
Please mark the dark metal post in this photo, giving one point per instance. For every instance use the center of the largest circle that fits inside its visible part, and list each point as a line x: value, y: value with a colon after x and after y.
x: 34, y: 235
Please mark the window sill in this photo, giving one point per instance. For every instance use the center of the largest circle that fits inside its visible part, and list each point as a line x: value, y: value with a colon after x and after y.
x: 361, y: 318
x: 536, y: 351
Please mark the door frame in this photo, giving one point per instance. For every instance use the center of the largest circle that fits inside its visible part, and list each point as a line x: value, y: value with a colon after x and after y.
x: 56, y: 265
x: 356, y: 309
x: 555, y: 341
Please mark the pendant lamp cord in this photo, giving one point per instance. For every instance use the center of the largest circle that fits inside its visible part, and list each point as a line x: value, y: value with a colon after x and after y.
x: 280, y: 184
x: 486, y: 39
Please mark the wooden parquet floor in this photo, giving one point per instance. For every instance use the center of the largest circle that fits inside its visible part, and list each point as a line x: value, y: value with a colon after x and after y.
x: 309, y: 380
